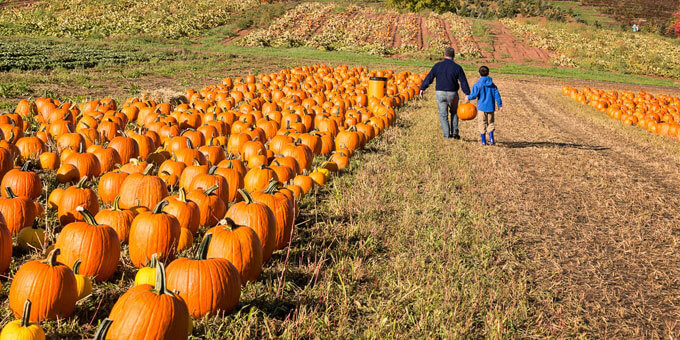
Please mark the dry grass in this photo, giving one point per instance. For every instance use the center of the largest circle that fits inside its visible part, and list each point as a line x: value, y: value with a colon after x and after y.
x: 593, y: 204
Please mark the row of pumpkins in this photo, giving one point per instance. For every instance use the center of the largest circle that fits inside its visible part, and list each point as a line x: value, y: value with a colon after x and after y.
x: 233, y: 160
x: 658, y: 114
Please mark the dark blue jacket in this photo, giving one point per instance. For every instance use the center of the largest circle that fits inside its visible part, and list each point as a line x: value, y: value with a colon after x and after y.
x: 488, y: 95
x: 448, y: 74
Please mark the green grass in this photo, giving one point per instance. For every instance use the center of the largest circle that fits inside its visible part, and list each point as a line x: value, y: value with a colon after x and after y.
x: 574, y: 73
x: 47, y: 54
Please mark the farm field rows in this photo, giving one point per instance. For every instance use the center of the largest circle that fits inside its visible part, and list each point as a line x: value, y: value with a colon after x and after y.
x: 101, y: 18
x: 372, y: 30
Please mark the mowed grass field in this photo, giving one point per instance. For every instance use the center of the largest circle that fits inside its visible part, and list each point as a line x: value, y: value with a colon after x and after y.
x: 565, y: 229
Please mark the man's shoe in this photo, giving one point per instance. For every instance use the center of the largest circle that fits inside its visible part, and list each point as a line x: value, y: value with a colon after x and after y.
x: 483, y: 139
x: 492, y: 141
x: 456, y: 136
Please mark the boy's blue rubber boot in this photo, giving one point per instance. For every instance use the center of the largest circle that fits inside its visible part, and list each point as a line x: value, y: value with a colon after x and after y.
x: 483, y: 139
x: 491, y: 140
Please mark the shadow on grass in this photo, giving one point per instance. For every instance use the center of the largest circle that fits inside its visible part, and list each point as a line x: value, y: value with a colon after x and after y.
x: 522, y: 145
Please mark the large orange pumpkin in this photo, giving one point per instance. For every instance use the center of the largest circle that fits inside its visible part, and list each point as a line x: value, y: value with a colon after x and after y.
x: 152, y: 233
x: 150, y: 312
x: 466, y: 111
x: 50, y: 285
x: 95, y: 245
x: 207, y: 285
x: 239, y: 245
x: 259, y: 217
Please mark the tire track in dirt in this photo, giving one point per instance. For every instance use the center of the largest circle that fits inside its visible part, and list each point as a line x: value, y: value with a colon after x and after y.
x: 421, y: 33
x: 395, y: 39
x: 595, y: 212
x: 452, y: 41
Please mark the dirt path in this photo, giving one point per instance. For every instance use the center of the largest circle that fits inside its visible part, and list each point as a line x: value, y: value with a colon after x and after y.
x: 594, y: 206
x: 503, y: 46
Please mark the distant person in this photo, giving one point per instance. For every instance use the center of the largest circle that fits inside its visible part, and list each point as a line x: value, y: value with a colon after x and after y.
x: 448, y: 75
x: 488, y: 95
x: 636, y: 28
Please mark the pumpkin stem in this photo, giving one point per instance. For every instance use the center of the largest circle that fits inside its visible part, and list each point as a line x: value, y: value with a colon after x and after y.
x: 190, y: 145
x: 161, y: 285
x: 154, y: 260
x: 102, y: 329
x: 89, y: 218
x: 76, y: 266
x: 212, y: 170
x: 10, y: 193
x: 159, y: 207
x: 116, y: 206
x: 182, y: 195
x: 203, y: 248
x: 52, y: 257
x: 211, y: 190
x: 26, y: 165
x: 196, y: 162
x: 228, y: 223
x: 147, y: 169
x: 26, y: 316
x: 81, y: 182
x: 271, y: 188
x: 246, y: 196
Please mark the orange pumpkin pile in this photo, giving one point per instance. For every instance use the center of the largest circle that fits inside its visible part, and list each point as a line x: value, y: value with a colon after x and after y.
x: 230, y: 164
x: 658, y: 114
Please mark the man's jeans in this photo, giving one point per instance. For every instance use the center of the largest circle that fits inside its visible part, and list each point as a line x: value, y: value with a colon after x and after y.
x: 448, y: 104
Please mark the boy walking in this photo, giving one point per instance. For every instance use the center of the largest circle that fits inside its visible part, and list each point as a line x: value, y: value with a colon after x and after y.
x: 487, y: 94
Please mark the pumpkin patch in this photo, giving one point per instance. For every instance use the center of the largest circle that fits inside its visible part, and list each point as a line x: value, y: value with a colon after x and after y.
x: 657, y: 114
x: 208, y: 188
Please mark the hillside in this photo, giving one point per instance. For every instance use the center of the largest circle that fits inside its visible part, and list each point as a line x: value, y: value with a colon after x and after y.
x: 656, y: 13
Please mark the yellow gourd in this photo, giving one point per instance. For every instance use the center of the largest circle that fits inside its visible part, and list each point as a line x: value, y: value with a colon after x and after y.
x: 83, y: 283
x: 147, y: 275
x: 23, y: 329
x: 30, y: 238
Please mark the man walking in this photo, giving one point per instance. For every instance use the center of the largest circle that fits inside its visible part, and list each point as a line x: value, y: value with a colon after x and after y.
x: 448, y: 75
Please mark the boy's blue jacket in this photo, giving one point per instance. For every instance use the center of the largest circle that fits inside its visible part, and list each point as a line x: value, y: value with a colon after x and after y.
x: 487, y: 92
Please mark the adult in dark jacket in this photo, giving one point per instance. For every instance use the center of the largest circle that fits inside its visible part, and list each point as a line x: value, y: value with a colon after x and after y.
x: 449, y: 75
